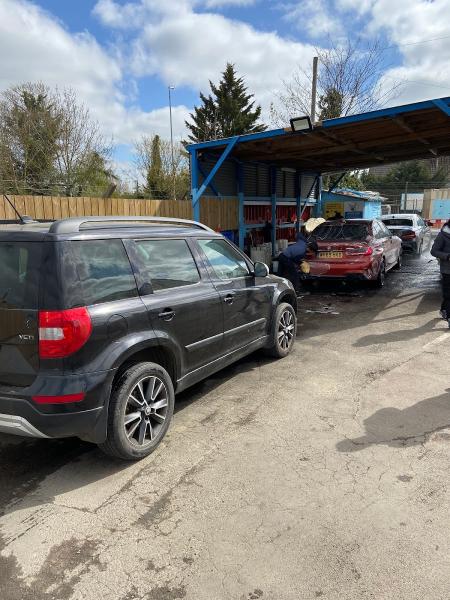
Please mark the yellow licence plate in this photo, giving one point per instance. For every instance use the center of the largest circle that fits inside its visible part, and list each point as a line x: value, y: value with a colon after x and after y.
x: 330, y: 254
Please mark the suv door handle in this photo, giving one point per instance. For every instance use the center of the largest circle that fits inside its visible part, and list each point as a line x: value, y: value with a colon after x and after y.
x: 229, y: 298
x: 167, y: 314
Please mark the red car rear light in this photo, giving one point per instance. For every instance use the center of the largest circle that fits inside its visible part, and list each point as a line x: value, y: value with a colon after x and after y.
x: 360, y: 251
x: 59, y: 399
x: 63, y: 332
x: 409, y: 235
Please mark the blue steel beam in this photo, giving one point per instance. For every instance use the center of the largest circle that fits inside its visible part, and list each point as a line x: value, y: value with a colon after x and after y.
x: 211, y: 185
x: 442, y: 105
x: 298, y: 200
x: 241, y: 210
x: 249, y: 137
x: 230, y: 145
x: 386, y: 112
x: 319, y: 205
x: 273, y: 195
x: 194, y: 184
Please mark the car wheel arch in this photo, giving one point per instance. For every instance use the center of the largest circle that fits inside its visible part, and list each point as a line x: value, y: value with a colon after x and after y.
x: 286, y: 296
x: 156, y: 353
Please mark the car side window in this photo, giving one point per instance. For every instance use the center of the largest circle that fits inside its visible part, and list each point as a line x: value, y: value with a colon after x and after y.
x: 166, y: 263
x: 375, y: 229
x: 380, y: 230
x: 385, y: 231
x: 224, y: 259
x: 104, y: 270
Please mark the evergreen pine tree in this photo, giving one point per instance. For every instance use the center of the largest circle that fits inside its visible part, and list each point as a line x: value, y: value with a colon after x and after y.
x: 229, y: 111
x: 154, y: 173
x: 331, y: 104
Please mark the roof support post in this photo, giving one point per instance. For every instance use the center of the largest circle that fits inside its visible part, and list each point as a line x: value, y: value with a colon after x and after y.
x: 194, y: 184
x: 319, y: 195
x: 229, y: 147
x: 298, y: 200
x: 273, y: 198
x: 317, y: 208
x: 241, y: 211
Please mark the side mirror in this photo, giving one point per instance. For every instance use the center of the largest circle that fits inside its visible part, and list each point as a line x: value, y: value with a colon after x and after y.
x: 261, y: 269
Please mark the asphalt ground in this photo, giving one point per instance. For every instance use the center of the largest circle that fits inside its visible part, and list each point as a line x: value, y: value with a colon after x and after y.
x: 324, y: 475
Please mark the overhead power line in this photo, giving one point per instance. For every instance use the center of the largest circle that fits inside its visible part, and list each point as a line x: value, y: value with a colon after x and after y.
x: 444, y: 37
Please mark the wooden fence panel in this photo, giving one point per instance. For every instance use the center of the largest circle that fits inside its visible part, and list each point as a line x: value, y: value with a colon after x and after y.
x: 214, y: 212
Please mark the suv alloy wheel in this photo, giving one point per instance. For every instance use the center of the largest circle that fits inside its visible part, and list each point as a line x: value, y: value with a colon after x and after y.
x: 284, y: 330
x: 140, y: 412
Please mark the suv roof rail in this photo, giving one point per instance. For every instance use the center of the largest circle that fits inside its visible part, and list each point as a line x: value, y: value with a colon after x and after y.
x: 73, y: 225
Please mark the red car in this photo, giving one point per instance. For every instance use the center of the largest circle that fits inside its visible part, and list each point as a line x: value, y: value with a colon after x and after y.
x: 354, y: 249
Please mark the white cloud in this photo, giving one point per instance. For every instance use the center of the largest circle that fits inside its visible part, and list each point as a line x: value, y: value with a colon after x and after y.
x: 191, y: 48
x: 220, y: 3
x: 133, y: 15
x: 35, y: 47
x: 313, y: 16
x: 425, y: 67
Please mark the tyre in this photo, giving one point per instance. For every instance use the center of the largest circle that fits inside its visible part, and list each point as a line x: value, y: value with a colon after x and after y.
x: 398, y: 264
x: 284, y: 330
x: 378, y: 283
x: 140, y: 411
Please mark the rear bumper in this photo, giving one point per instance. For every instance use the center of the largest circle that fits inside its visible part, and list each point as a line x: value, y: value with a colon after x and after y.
x: 346, y: 277
x: 19, y: 426
x: 365, y: 268
x: 83, y: 424
x: 19, y: 415
x: 410, y: 245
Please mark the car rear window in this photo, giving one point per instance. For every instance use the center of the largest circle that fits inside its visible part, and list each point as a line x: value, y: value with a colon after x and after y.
x: 341, y: 231
x: 104, y: 270
x: 166, y: 263
x: 398, y: 222
x: 19, y: 274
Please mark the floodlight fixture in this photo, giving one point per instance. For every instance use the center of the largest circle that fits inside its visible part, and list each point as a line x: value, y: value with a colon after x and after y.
x: 301, y: 124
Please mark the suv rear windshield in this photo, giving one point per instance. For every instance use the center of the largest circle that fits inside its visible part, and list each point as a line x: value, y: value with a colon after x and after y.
x: 341, y: 231
x: 19, y: 274
x: 400, y: 222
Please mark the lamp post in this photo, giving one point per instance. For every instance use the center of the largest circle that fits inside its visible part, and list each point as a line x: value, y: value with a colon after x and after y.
x: 171, y: 87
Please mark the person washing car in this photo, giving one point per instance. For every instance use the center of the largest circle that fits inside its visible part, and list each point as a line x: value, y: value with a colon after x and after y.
x: 441, y: 250
x: 290, y: 259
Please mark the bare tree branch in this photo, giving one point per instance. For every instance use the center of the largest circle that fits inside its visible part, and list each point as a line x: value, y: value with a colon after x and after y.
x: 352, y: 70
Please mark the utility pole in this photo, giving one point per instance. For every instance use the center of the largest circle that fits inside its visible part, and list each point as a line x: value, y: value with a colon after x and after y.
x: 171, y: 87
x: 314, y: 89
x: 405, y: 200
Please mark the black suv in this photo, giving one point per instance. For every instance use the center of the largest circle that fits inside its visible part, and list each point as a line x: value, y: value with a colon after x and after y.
x: 104, y: 319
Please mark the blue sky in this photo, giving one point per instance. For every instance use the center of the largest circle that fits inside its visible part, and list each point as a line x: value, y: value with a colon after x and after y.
x: 261, y: 15
x: 120, y: 56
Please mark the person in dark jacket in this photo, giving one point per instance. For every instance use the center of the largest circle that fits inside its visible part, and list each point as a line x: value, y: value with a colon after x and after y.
x: 290, y: 259
x: 441, y: 250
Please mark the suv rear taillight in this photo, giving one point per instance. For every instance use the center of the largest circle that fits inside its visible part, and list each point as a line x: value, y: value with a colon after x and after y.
x: 63, y: 332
